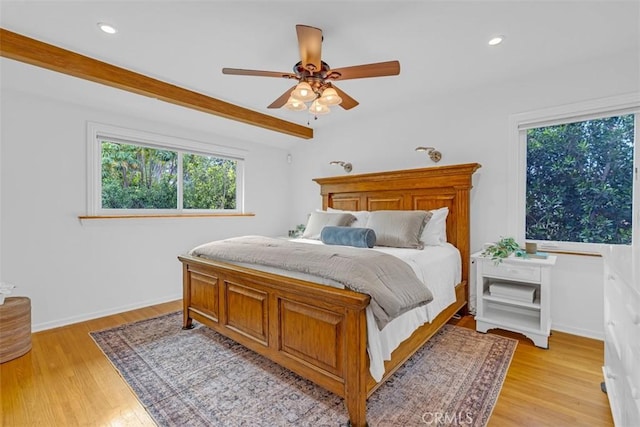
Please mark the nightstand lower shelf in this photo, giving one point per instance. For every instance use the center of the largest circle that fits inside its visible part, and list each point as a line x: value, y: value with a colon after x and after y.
x: 525, y: 325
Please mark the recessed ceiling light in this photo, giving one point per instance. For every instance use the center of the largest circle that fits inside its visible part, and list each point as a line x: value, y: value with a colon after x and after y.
x: 496, y: 40
x: 109, y: 29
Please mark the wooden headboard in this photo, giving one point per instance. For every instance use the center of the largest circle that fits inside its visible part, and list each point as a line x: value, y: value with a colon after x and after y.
x: 412, y: 189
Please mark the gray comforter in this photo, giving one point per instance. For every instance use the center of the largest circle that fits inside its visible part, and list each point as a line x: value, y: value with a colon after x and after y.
x: 391, y: 283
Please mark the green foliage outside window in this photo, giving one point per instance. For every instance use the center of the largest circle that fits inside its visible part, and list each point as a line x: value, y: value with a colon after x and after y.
x: 580, y: 181
x: 138, y: 177
x: 209, y: 182
x: 135, y: 177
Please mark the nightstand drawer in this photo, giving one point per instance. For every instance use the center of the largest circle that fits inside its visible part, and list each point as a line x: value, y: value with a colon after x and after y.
x: 515, y: 272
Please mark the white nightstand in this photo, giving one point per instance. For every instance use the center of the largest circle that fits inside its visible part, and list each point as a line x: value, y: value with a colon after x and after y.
x: 515, y: 295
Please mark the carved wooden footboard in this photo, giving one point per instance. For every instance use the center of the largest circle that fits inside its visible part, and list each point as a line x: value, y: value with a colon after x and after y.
x: 316, y: 331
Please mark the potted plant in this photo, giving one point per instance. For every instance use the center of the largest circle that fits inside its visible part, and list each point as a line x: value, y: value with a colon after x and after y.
x: 502, y: 249
x: 298, y: 231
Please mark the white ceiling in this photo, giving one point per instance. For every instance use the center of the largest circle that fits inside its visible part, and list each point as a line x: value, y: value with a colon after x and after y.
x: 441, y: 46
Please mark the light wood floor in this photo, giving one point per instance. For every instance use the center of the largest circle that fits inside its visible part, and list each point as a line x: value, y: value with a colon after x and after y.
x: 65, y: 380
x: 555, y: 387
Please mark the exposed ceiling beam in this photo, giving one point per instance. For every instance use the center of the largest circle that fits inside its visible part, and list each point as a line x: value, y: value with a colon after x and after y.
x: 21, y: 48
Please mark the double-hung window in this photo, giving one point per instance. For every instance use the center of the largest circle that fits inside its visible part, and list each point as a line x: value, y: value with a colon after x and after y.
x: 576, y: 170
x: 132, y: 172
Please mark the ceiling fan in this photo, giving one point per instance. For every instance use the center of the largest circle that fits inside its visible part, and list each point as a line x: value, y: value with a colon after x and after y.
x: 315, y: 76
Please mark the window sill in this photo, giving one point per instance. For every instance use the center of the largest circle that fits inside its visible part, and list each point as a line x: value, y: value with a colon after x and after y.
x: 571, y: 252
x: 138, y: 216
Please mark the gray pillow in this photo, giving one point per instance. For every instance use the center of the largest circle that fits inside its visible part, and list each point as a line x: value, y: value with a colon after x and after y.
x: 318, y: 220
x: 398, y: 229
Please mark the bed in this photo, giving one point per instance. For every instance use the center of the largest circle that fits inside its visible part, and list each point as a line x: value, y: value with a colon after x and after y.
x: 318, y: 331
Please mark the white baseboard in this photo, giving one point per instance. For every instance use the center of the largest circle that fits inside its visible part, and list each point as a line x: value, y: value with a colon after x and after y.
x: 89, y: 316
x: 596, y: 335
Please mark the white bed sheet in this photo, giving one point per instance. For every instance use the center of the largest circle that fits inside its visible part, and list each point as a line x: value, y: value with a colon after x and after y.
x: 438, y: 267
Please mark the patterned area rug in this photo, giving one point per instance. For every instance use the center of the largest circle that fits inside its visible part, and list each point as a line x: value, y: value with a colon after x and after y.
x: 199, y: 378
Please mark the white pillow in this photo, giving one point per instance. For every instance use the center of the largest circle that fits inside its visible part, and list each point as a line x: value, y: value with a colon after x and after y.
x: 361, y: 217
x: 435, y: 232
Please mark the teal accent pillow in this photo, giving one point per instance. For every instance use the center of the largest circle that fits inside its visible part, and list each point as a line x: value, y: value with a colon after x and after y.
x: 348, y: 236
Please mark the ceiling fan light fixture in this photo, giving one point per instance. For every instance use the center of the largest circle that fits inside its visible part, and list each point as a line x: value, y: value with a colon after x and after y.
x: 303, y: 92
x: 318, y: 109
x: 295, y: 104
x: 313, y: 78
x: 330, y: 97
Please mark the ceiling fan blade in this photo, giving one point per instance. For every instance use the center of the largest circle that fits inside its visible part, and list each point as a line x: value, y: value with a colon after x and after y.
x: 241, y: 72
x: 378, y: 69
x: 347, y: 101
x: 310, y: 44
x: 283, y: 99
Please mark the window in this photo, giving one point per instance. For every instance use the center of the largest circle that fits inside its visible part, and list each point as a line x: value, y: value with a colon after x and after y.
x: 132, y: 172
x: 580, y: 181
x: 577, y: 175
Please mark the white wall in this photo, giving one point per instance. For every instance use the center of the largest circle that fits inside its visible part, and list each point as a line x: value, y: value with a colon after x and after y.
x: 472, y: 126
x: 75, y: 270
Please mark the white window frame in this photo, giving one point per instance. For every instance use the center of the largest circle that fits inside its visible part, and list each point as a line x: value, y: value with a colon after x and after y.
x: 517, y: 161
x: 96, y: 132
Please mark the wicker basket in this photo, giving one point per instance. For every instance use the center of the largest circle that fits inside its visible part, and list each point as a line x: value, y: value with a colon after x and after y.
x: 15, y: 328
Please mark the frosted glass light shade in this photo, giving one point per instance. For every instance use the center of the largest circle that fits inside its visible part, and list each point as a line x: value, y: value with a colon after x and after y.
x: 295, y: 104
x: 318, y: 109
x: 330, y: 97
x: 303, y: 92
